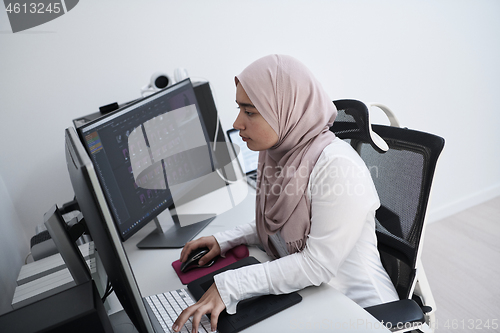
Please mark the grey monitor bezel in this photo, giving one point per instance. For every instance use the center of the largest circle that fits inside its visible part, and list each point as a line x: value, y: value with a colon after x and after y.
x: 100, y: 223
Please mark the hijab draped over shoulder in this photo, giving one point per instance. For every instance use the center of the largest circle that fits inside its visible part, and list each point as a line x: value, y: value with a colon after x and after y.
x: 297, y: 108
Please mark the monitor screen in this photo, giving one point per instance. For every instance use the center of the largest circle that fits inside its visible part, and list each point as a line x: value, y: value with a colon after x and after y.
x: 149, y: 154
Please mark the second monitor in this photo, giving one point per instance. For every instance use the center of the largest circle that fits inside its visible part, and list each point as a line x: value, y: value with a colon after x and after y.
x: 148, y: 156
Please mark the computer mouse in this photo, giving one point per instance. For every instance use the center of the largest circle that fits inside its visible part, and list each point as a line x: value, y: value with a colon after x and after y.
x: 193, y: 259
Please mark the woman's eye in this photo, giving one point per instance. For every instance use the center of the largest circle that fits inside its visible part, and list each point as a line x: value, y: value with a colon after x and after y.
x: 245, y: 111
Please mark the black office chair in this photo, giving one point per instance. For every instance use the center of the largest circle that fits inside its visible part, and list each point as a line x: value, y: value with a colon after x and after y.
x: 402, y: 175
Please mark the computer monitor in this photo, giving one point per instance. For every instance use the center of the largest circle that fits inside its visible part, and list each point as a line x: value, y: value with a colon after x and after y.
x: 108, y: 244
x: 148, y: 156
x: 100, y: 223
x: 222, y: 152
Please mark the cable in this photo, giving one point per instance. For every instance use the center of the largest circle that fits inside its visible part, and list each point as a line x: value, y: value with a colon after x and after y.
x: 224, y: 178
x: 26, y: 259
x: 216, y: 131
x: 108, y: 291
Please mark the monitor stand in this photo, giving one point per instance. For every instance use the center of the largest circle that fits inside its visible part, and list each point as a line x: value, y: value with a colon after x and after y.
x: 169, y: 234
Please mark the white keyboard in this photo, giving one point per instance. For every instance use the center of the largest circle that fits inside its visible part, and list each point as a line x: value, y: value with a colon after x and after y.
x: 168, y: 306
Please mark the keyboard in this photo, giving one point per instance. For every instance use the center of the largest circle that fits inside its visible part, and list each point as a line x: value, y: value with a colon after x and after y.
x: 168, y: 306
x: 252, y: 179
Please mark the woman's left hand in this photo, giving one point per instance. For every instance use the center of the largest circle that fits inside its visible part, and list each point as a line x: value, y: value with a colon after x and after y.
x: 210, y: 302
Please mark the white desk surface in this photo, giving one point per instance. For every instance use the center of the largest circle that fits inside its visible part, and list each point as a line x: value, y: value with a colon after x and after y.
x: 321, y: 309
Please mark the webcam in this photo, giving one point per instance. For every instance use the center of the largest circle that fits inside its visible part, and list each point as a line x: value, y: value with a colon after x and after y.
x: 157, y: 82
x: 160, y: 81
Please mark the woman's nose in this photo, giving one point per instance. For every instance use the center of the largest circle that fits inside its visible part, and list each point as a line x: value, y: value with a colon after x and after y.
x: 238, y: 123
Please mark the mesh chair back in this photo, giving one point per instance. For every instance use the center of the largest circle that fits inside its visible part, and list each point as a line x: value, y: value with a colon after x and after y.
x: 403, y: 177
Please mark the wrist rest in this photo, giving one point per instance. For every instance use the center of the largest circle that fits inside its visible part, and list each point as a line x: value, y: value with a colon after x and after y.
x: 249, y: 311
x: 237, y: 253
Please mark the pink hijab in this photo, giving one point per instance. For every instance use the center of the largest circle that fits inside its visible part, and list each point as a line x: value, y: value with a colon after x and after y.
x: 297, y: 108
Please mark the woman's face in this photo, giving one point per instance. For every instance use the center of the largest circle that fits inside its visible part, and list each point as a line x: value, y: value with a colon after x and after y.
x: 254, y: 129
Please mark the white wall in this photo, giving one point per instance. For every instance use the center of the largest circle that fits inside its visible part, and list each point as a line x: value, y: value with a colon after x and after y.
x: 435, y: 63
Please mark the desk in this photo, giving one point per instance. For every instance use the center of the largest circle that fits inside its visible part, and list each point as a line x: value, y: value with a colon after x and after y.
x: 322, y: 308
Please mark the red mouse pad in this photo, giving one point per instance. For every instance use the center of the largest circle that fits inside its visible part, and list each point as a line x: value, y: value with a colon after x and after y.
x: 233, y: 255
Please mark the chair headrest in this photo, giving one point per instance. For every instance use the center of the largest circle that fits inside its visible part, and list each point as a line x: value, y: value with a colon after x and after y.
x: 353, y: 122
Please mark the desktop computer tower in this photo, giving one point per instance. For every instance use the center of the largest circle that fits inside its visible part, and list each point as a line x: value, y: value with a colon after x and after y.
x: 77, y: 309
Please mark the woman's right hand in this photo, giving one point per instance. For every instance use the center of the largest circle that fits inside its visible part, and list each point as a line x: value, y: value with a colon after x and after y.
x: 210, y: 242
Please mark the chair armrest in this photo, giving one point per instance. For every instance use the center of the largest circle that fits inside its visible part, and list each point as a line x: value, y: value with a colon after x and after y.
x: 396, y: 314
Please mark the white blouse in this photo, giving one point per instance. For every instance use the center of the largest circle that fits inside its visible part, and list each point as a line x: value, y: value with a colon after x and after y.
x: 341, y: 248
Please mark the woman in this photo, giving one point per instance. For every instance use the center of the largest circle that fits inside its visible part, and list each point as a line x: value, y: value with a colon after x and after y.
x: 316, y: 201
